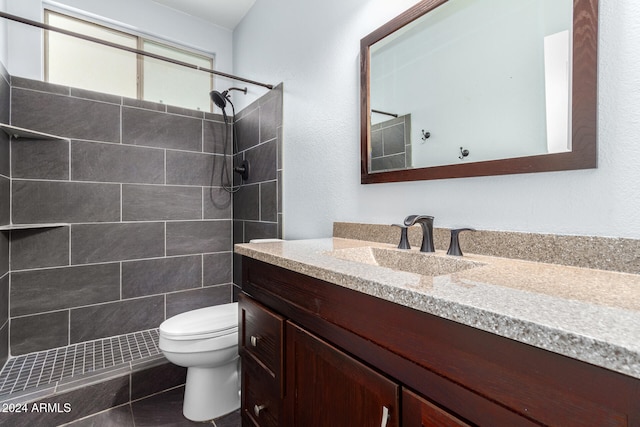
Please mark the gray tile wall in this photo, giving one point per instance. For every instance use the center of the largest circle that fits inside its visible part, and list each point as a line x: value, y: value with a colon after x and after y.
x: 391, y: 144
x: 150, y: 231
x: 257, y: 206
x: 5, y: 194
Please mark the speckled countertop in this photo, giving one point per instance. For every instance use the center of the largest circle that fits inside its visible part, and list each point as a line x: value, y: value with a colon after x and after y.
x: 590, y: 315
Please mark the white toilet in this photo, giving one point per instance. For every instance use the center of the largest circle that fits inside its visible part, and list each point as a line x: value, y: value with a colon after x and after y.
x: 206, y: 342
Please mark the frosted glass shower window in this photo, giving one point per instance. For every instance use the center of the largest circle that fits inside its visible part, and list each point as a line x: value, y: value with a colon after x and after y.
x: 174, y: 84
x: 71, y: 61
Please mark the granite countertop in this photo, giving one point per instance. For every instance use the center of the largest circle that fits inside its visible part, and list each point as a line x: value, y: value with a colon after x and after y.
x: 589, y: 315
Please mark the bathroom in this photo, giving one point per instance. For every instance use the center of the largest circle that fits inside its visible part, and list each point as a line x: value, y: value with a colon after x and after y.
x: 310, y: 177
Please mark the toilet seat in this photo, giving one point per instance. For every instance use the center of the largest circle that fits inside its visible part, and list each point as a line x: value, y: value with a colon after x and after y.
x: 201, y: 324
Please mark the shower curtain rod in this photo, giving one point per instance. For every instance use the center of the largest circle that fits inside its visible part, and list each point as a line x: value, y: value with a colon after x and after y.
x: 128, y: 49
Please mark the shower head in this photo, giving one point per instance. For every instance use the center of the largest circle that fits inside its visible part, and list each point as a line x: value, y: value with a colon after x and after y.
x: 220, y: 99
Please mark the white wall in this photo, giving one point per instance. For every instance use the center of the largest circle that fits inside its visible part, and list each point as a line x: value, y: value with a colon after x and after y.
x: 143, y: 16
x: 4, y: 46
x: 313, y: 48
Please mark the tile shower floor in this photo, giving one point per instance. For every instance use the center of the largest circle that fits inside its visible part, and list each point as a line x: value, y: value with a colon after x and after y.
x: 46, y: 368
x: 28, y: 374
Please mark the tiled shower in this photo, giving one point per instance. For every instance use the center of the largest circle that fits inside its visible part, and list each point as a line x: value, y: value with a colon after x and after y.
x: 147, y: 231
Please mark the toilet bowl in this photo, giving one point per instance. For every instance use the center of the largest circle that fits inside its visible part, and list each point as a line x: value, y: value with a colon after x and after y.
x: 205, y: 341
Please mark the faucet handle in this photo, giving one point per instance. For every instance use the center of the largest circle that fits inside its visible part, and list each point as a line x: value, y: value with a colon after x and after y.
x: 415, y: 219
x: 404, y: 238
x: 454, y: 245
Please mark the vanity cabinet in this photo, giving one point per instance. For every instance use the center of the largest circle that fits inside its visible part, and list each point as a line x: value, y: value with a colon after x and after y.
x: 338, y: 344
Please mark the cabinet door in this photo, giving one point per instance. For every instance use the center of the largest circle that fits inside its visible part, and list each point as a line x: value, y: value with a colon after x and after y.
x: 326, y: 387
x: 419, y: 412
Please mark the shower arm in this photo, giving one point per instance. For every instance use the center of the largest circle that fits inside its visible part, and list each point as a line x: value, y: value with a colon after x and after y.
x: 128, y: 49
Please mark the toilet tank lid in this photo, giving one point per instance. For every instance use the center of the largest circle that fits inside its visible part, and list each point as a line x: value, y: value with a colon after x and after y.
x: 202, y: 321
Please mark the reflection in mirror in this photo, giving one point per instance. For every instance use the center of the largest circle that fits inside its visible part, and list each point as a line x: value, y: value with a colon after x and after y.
x: 483, y: 87
x: 390, y: 142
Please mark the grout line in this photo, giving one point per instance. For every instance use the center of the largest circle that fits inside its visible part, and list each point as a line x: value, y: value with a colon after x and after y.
x: 121, y: 214
x: 44, y: 366
x: 121, y: 124
x: 70, y: 261
x: 69, y: 145
x: 53, y: 366
x: 120, y: 280
x: 113, y: 354
x: 121, y: 352
x: 260, y: 202
x: 93, y: 358
x: 10, y: 169
x: 44, y: 360
x: 202, y: 134
x: 121, y: 261
x: 149, y: 221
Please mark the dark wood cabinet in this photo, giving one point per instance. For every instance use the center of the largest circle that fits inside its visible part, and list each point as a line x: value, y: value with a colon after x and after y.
x: 326, y: 387
x: 448, y: 374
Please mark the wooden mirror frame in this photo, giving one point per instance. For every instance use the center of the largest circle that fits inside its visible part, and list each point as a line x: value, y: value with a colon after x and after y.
x: 583, y: 110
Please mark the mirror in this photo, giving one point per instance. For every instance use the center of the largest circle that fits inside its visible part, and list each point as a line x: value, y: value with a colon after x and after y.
x: 460, y: 88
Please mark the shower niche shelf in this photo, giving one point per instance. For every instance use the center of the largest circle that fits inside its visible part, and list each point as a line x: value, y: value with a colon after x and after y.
x: 18, y: 132
x: 11, y: 227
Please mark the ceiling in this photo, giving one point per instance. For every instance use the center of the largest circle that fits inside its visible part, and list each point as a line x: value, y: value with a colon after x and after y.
x: 225, y: 13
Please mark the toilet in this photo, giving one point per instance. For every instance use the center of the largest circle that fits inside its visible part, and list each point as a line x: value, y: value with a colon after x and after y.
x: 205, y: 341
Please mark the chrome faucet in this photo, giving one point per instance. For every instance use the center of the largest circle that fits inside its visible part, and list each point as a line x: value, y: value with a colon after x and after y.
x: 426, y: 222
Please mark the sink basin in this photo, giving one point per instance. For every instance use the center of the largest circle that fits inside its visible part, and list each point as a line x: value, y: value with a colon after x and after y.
x: 427, y: 264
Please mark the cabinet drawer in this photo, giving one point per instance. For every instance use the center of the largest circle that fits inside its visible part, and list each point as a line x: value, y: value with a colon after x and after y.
x: 261, y: 403
x: 419, y: 412
x: 261, y: 336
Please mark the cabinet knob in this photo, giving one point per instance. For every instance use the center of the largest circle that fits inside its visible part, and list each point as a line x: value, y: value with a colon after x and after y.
x: 257, y: 409
x: 254, y: 340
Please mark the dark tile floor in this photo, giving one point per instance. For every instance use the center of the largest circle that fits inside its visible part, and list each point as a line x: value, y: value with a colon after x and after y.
x: 160, y: 410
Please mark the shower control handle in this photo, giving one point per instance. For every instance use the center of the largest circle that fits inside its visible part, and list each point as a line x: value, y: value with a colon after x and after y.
x: 257, y: 409
x: 254, y: 340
